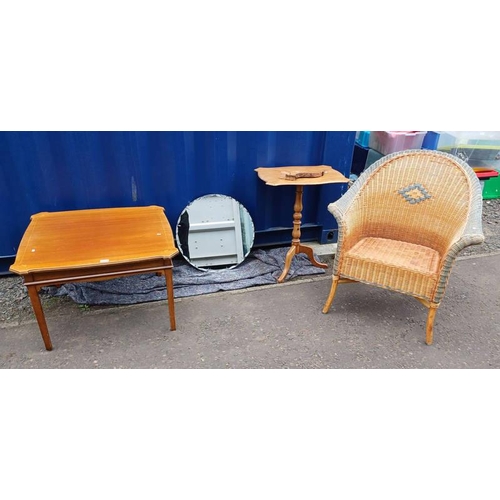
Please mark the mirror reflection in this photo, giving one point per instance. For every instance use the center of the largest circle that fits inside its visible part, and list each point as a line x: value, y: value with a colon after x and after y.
x: 215, y: 232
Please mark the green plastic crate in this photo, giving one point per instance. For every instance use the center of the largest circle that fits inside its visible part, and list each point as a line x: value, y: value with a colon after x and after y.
x: 491, y: 188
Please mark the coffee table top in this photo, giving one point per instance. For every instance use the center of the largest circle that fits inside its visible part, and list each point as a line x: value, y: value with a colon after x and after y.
x: 88, y: 238
x: 273, y: 176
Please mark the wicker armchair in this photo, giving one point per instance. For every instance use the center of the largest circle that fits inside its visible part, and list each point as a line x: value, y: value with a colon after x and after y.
x: 402, y: 224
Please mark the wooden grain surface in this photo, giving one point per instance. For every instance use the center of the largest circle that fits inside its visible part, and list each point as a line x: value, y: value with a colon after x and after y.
x: 80, y: 238
x: 272, y: 175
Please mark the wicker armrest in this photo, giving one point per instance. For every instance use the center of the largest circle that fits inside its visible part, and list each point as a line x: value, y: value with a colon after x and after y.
x: 348, y: 217
x: 339, y: 208
x: 473, y: 235
x: 465, y: 241
x: 350, y: 228
x: 473, y: 231
x: 337, y: 211
x: 348, y: 222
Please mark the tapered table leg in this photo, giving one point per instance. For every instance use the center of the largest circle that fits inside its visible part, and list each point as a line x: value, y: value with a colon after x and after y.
x: 40, y: 316
x: 288, y: 262
x: 170, y: 297
x: 310, y: 254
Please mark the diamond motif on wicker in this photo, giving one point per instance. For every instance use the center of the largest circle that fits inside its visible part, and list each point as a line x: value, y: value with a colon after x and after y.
x: 414, y: 193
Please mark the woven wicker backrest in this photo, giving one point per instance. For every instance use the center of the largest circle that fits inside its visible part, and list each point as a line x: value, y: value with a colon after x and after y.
x: 419, y: 196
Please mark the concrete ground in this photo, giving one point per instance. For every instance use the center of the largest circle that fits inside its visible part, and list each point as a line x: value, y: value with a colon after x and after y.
x: 277, y: 326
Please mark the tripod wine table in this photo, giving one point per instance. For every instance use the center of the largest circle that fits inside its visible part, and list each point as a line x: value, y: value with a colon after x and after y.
x: 94, y: 245
x: 299, y: 177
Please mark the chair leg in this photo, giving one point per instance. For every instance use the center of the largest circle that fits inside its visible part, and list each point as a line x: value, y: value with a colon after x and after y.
x: 430, y: 323
x: 333, y: 289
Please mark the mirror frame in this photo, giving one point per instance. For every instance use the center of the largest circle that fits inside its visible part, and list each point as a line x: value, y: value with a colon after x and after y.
x: 208, y: 228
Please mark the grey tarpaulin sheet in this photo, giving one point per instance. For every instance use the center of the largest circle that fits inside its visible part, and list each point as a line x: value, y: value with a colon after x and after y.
x: 261, y: 267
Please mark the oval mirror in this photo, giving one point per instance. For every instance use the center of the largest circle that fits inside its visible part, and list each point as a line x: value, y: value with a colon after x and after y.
x: 215, y: 232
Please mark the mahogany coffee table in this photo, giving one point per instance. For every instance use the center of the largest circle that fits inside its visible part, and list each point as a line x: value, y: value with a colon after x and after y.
x: 94, y: 245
